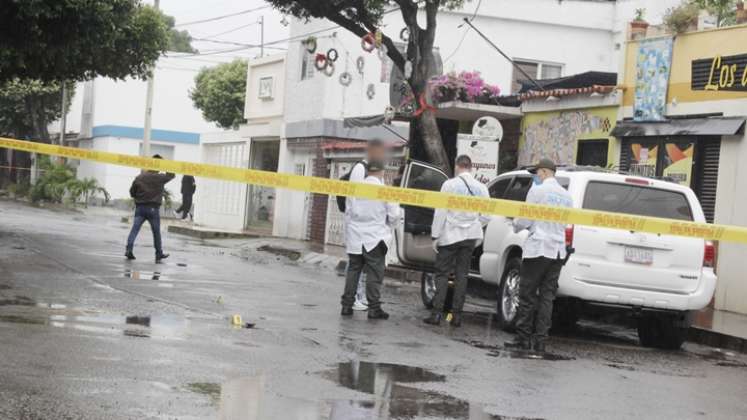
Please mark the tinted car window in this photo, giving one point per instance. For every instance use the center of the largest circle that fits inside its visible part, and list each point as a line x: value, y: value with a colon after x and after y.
x: 424, y: 178
x: 498, y: 188
x: 637, y: 200
x: 519, y: 189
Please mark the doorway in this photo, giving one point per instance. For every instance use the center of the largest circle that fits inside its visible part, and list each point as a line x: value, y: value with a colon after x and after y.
x: 263, y: 156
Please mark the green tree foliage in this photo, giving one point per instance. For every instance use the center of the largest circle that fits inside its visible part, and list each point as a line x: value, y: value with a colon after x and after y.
x: 28, y: 106
x: 220, y: 92
x: 79, y: 39
x: 179, y: 41
x: 722, y: 10
x: 365, y: 16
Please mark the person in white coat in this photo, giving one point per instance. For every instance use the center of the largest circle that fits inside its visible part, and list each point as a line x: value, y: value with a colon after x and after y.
x: 368, y: 231
x: 455, y: 235
x: 544, y: 254
x: 376, y: 151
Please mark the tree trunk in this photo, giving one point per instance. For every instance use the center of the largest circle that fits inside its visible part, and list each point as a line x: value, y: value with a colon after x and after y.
x: 420, y: 52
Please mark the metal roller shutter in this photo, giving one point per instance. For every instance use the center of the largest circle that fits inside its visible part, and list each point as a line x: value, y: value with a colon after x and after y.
x: 710, y: 151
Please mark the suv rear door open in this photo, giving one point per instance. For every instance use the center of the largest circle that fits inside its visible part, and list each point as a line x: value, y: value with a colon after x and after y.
x: 414, y: 245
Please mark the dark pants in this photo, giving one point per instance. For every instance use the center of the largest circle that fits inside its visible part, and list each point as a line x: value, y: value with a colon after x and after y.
x: 186, y: 205
x: 373, y: 264
x: 454, y: 258
x: 152, y: 215
x: 537, y: 289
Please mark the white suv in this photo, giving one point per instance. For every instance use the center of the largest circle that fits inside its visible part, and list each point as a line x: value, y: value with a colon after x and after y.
x: 660, y: 279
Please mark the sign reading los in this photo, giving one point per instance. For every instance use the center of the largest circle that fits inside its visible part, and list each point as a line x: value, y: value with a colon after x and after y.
x: 727, y: 73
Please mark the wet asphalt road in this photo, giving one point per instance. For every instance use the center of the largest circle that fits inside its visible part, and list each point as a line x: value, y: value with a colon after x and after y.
x: 86, y: 335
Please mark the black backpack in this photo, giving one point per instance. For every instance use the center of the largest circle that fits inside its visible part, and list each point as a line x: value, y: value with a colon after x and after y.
x: 341, y: 199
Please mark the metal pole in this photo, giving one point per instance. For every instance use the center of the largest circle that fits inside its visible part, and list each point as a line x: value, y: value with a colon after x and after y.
x: 262, y: 36
x: 63, y: 118
x: 149, y: 105
x: 530, y: 78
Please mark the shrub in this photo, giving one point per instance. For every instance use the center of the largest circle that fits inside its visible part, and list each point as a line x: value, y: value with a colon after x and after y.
x: 682, y: 18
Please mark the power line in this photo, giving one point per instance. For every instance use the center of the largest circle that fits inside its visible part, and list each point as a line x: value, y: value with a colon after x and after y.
x: 240, y: 44
x: 238, y: 28
x: 243, y: 12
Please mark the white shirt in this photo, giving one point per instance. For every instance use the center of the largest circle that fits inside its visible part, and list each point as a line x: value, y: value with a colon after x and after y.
x: 546, y: 239
x: 368, y: 222
x: 450, y: 227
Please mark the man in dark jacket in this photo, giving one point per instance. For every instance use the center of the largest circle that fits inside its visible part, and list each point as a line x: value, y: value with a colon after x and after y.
x: 148, y: 190
x: 189, y: 186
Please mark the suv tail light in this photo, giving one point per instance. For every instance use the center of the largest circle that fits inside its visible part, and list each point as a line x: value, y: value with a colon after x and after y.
x: 709, y: 254
x: 569, y: 236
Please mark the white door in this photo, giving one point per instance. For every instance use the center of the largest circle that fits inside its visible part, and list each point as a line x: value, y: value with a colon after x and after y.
x: 223, y: 203
x: 298, y: 202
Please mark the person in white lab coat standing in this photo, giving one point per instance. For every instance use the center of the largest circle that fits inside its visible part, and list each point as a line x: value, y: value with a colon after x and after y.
x: 544, y: 254
x: 455, y: 235
x: 368, y: 231
x: 376, y: 150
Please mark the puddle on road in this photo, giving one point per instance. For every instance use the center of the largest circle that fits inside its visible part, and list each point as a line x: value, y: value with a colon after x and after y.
x: 500, y: 352
x: 161, y: 327
x: 249, y: 398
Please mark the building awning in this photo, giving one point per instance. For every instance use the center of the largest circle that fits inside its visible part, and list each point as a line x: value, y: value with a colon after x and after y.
x: 712, y: 126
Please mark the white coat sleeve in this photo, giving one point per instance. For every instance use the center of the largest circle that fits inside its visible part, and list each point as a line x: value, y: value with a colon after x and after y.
x: 393, y: 214
x: 532, y: 198
x: 439, y: 216
x: 484, y: 218
x: 358, y: 174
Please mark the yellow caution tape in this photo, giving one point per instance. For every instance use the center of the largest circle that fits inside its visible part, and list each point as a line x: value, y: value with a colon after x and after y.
x: 413, y: 197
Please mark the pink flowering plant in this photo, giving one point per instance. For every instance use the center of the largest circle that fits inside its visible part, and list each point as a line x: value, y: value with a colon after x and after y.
x: 465, y: 87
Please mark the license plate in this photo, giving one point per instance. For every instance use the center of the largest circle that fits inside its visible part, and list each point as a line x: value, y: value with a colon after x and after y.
x: 638, y: 255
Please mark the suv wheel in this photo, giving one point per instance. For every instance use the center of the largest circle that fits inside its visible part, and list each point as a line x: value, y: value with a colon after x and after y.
x: 428, y: 291
x: 508, y: 294
x: 662, y: 331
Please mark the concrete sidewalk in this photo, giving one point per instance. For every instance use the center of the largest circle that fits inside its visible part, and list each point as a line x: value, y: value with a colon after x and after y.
x: 722, y: 329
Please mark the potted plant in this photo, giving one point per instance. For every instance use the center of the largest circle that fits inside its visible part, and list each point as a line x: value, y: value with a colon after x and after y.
x: 639, y: 26
x: 683, y: 18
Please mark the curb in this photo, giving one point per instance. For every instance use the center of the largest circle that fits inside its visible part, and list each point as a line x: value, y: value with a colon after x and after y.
x: 210, y: 234
x: 716, y: 339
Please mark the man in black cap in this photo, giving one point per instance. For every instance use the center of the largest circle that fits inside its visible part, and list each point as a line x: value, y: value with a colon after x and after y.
x: 147, y: 190
x: 543, y: 255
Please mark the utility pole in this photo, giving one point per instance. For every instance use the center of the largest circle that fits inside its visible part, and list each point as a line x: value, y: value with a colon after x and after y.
x: 262, y: 36
x: 149, y: 104
x: 63, y: 118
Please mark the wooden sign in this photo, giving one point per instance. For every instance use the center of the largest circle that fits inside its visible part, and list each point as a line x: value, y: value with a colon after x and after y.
x: 728, y: 73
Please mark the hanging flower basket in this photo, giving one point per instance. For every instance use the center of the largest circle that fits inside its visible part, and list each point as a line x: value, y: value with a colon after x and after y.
x: 464, y: 87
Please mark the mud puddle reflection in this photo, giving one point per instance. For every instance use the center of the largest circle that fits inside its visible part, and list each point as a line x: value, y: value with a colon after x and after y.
x: 391, y: 387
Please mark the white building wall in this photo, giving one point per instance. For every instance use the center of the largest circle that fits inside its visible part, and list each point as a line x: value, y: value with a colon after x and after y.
x: 580, y: 35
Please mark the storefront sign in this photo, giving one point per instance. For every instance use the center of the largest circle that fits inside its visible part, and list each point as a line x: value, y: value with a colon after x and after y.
x: 720, y: 73
x: 484, y: 155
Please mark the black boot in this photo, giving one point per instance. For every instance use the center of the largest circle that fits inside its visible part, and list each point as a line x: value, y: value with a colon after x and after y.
x: 346, y: 311
x: 434, y: 319
x: 377, y: 314
x: 518, y: 343
x: 129, y: 255
x: 160, y: 257
x: 456, y: 320
x: 539, y: 346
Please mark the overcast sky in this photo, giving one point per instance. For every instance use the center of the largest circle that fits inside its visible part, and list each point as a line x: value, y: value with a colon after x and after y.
x: 239, y: 29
